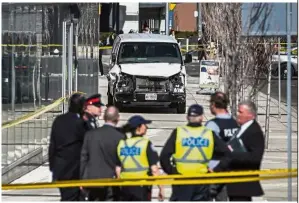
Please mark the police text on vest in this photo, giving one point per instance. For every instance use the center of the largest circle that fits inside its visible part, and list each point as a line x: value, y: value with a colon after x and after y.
x: 130, y: 151
x: 195, y: 142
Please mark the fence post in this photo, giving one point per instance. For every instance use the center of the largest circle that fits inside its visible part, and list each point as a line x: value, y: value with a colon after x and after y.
x: 76, y: 63
x: 289, y: 97
x: 187, y: 44
x: 38, y: 65
x: 70, y: 59
x: 63, y: 78
x: 279, y: 80
x: 13, y: 80
x: 217, y: 45
x: 268, y: 101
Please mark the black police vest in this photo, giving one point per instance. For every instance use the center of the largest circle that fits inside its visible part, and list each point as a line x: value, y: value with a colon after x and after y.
x: 91, y: 122
x: 228, y: 127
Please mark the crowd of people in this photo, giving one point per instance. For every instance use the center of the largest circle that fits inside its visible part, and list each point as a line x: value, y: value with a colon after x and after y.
x: 81, y: 149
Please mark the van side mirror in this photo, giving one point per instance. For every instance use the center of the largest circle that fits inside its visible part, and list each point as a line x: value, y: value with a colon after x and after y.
x: 113, y: 58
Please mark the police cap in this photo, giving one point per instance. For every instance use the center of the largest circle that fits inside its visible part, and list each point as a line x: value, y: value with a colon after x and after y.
x: 137, y: 120
x: 95, y: 100
x: 195, y: 110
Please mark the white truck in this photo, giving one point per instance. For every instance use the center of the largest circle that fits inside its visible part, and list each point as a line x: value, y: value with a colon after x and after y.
x: 283, y: 64
x: 146, y: 70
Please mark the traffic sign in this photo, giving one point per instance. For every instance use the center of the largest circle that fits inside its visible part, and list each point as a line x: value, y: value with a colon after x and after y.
x: 172, y: 6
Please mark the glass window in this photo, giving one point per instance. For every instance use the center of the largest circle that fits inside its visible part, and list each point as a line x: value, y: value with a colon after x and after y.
x: 150, y: 52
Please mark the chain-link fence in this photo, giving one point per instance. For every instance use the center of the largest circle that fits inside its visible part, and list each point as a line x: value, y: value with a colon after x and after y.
x: 32, y: 76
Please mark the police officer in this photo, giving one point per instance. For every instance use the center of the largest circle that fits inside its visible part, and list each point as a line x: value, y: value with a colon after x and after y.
x: 92, y: 110
x: 224, y: 126
x: 201, y: 50
x: 192, y: 147
x: 137, y: 158
x: 100, y: 59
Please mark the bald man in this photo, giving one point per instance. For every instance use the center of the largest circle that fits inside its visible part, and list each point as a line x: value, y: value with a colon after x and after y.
x: 99, y: 156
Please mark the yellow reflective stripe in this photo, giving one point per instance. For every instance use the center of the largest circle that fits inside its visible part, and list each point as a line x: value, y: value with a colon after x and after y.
x: 137, y: 169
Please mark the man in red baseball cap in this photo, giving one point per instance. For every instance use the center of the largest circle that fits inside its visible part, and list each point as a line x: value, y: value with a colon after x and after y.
x: 92, y: 109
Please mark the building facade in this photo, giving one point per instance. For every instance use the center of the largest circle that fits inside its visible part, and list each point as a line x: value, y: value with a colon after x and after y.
x: 184, y: 19
x: 138, y: 15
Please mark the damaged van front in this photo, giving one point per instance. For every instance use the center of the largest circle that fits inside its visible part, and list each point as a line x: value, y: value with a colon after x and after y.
x: 147, y: 70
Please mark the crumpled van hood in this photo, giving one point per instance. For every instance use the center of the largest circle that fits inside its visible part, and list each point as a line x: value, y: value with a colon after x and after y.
x: 151, y: 69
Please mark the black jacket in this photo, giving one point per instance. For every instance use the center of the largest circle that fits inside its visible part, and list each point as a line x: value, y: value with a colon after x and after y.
x: 66, y: 141
x: 99, y: 152
x: 253, y: 139
x: 220, y: 150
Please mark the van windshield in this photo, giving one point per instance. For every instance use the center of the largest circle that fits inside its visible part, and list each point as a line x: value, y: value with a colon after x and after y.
x: 149, y: 52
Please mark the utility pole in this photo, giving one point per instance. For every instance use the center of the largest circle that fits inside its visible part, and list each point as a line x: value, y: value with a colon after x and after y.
x: 167, y: 19
x: 117, y: 18
x: 289, y: 108
x: 198, y: 20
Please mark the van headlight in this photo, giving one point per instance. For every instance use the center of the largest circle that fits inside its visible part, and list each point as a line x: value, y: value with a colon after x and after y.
x: 124, y: 83
x: 177, y: 83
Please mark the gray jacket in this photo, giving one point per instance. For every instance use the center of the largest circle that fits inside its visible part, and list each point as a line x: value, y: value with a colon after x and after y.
x: 99, y: 152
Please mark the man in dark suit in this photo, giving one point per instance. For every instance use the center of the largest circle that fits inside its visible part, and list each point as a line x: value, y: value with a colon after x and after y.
x: 251, y: 138
x: 66, y: 141
x: 99, y: 156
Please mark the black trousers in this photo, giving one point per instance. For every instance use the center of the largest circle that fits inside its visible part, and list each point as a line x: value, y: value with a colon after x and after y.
x: 136, y: 193
x: 240, y: 199
x: 104, y: 194
x: 202, y: 55
x: 101, y: 67
x: 190, y: 193
x: 70, y: 194
x: 218, y: 192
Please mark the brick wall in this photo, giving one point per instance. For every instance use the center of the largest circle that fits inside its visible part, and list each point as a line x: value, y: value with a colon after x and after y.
x: 184, y: 19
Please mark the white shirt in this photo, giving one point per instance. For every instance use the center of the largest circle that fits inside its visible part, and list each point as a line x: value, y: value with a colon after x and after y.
x: 244, y: 127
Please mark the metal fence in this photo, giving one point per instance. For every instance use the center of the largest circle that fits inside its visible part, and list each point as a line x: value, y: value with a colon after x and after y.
x: 33, y: 73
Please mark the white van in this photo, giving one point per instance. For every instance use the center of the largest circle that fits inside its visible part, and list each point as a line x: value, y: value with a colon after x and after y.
x: 147, y: 70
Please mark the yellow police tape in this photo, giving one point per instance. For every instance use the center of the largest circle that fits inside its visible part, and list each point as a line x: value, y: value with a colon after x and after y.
x: 209, y: 178
x: 45, y: 45
x: 59, y: 45
x: 32, y: 115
